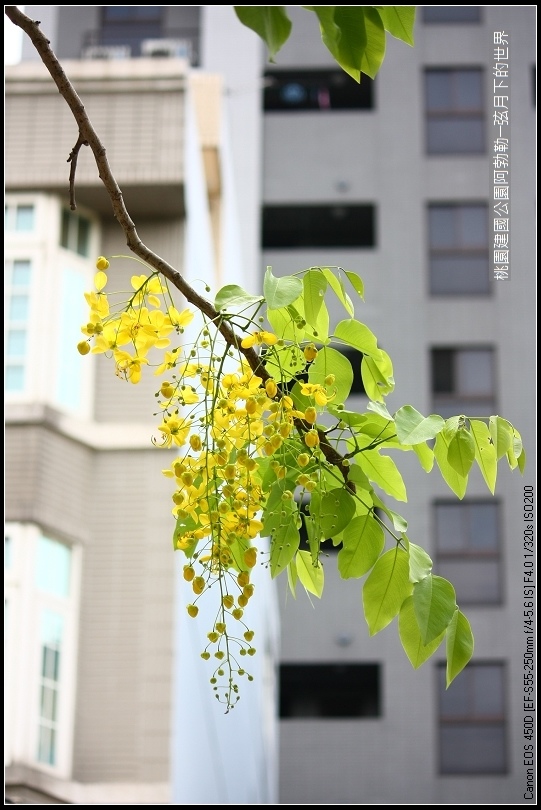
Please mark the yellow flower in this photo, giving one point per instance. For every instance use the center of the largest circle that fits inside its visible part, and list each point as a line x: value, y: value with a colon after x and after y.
x: 170, y: 359
x: 179, y: 320
x: 318, y: 392
x: 310, y: 352
x: 100, y: 279
x: 175, y: 431
x: 102, y: 263
x: 258, y: 338
x: 129, y: 367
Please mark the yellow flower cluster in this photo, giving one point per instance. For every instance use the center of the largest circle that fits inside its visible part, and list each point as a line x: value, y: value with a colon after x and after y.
x: 131, y: 333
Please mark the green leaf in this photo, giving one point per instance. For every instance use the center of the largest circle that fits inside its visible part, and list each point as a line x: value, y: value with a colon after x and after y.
x: 284, y: 545
x: 434, y: 601
x: 362, y: 543
x: 399, y: 523
x: 521, y: 461
x: 461, y: 451
x: 501, y: 433
x: 358, y: 477
x: 358, y: 336
x: 485, y: 452
x: 234, y: 296
x: 420, y: 563
x: 385, y: 589
x: 425, y: 456
x: 271, y: 23
x: 331, y: 361
x: 356, y: 282
x: 410, y: 636
x: 398, y: 21
x: 454, y: 480
x: 284, y: 362
x: 459, y: 645
x: 310, y: 576
x: 337, y: 509
x: 355, y: 37
x: 292, y: 578
x: 279, y: 292
x: 284, y: 323
x: 381, y: 409
x: 413, y: 428
x: 337, y: 286
x: 383, y: 471
x: 377, y: 376
x: 314, y: 287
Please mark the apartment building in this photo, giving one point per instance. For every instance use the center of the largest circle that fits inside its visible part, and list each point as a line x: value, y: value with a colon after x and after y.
x: 403, y: 180
x: 107, y: 697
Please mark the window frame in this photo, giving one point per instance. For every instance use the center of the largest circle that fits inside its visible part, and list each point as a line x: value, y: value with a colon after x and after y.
x: 434, y: 253
x: 26, y: 605
x: 442, y: 400
x: 466, y: 554
x: 455, y: 113
x: 469, y: 721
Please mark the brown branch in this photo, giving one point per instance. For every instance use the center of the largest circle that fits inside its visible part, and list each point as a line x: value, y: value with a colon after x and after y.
x: 88, y: 136
x: 74, y: 154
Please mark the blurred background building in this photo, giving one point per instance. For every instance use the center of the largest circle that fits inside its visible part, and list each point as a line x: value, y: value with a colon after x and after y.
x: 230, y: 164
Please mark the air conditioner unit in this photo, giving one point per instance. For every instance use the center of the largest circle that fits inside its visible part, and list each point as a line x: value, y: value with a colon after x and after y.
x: 167, y: 48
x: 107, y: 52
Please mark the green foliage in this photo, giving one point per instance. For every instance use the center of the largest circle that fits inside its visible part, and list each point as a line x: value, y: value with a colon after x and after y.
x: 354, y: 35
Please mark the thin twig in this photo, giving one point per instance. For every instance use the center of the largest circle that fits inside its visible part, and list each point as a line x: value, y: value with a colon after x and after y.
x: 74, y: 154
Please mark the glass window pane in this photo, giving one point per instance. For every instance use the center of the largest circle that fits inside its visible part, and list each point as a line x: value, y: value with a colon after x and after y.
x: 53, y: 567
x: 459, y: 275
x: 450, y: 135
x: 441, y: 223
x: 16, y: 343
x: 19, y: 307
x: 468, y: 748
x: 14, y: 378
x: 472, y: 226
x: 474, y: 372
x: 451, y: 14
x: 484, y: 526
x: 46, y: 745
x: 488, y: 691
x: 455, y: 702
x: 24, y: 219
x: 438, y: 90
x: 20, y: 276
x: 83, y: 236
x: 450, y: 528
x: 468, y: 89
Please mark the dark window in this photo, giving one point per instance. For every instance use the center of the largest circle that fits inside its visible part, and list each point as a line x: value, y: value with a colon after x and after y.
x: 311, y: 226
x: 455, y: 111
x: 330, y: 690
x: 451, y: 14
x: 130, y: 25
x: 316, y: 90
x: 463, y: 381
x: 458, y: 245
x: 468, y: 549
x: 472, y: 722
x: 355, y: 358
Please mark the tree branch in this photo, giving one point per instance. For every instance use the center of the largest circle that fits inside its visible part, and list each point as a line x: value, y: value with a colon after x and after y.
x: 88, y: 136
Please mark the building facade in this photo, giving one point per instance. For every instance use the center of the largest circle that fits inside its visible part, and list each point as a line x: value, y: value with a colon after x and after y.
x: 402, y: 180
x: 107, y: 697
